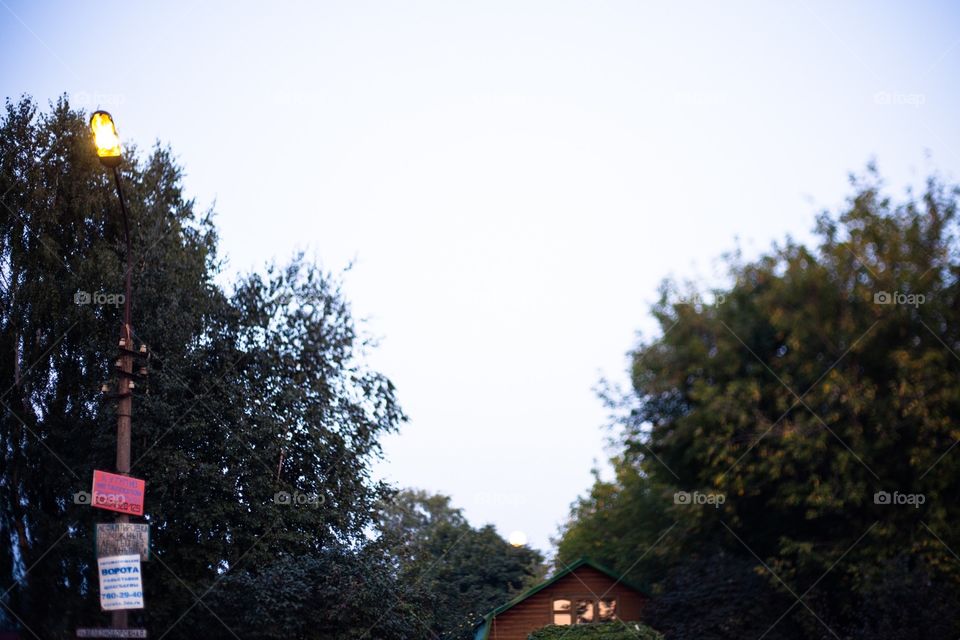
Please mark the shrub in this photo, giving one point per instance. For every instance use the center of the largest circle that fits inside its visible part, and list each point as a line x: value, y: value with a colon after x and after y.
x: 605, y: 631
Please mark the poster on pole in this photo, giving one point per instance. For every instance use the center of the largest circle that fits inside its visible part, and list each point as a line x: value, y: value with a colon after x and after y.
x: 118, y: 493
x: 121, y: 586
x: 123, y: 538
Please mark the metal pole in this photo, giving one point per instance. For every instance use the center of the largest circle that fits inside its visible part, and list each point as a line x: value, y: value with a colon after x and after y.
x: 125, y: 402
x: 126, y: 235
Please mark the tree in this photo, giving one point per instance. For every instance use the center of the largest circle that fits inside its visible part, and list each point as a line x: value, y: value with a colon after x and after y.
x: 822, y: 377
x: 467, y: 571
x: 618, y: 525
x: 260, y: 425
x: 905, y: 600
x: 328, y: 594
x: 716, y: 595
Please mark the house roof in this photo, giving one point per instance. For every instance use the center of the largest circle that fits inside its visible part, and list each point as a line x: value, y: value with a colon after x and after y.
x: 482, y: 628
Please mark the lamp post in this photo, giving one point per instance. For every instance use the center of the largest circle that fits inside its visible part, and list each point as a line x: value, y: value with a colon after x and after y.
x: 108, y: 150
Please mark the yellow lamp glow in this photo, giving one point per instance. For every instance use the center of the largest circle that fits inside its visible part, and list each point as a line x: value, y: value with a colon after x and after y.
x: 518, y: 538
x: 105, y: 138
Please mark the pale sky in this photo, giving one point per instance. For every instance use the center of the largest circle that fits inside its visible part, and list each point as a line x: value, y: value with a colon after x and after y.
x: 512, y: 179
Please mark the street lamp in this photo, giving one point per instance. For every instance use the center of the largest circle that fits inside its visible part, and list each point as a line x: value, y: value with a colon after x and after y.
x: 106, y: 138
x: 107, y: 141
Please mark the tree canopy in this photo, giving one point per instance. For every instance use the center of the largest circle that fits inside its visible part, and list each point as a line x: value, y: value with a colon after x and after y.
x: 255, y: 433
x: 798, y: 425
x: 467, y: 571
x: 255, y: 391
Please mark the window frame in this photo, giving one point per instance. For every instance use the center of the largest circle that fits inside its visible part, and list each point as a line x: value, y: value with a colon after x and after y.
x: 594, y: 603
x: 554, y: 611
x: 616, y: 607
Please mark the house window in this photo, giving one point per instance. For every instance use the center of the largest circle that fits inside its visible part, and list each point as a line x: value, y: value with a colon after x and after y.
x: 584, y: 610
x: 606, y: 609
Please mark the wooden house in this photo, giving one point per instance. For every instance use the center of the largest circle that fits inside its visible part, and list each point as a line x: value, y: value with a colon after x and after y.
x: 582, y: 593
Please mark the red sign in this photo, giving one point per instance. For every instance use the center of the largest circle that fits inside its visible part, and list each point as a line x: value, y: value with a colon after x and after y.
x: 118, y: 493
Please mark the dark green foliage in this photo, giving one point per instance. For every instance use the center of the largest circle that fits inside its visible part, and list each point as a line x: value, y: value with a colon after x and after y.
x: 466, y: 571
x: 716, y: 595
x: 618, y: 523
x: 60, y: 234
x: 906, y: 601
x: 607, y: 631
x: 797, y: 394
x: 252, y: 393
x: 328, y: 594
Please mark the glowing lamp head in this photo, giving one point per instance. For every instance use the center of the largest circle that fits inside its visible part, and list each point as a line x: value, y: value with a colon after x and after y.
x: 517, y: 538
x: 105, y: 138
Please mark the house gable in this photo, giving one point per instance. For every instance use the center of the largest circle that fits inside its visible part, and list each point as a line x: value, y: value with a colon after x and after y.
x: 534, y: 609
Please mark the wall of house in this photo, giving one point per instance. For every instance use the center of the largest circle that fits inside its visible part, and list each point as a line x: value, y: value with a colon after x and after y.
x: 536, y: 611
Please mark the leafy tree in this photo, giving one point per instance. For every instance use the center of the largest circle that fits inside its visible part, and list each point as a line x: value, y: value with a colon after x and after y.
x: 61, y: 235
x: 618, y: 524
x: 718, y: 595
x: 467, y: 571
x: 821, y: 377
x: 905, y: 600
x: 260, y: 425
x: 328, y: 594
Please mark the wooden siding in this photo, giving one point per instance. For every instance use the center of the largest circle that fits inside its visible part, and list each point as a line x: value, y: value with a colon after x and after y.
x: 536, y: 611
